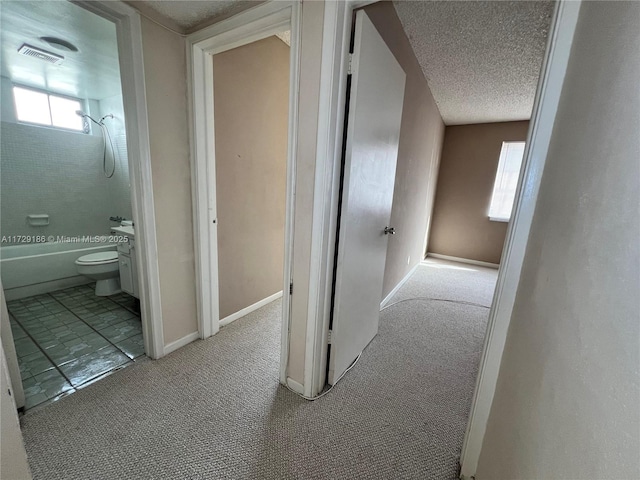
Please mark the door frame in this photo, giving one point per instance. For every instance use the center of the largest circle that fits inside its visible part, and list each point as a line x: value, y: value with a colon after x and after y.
x: 545, y: 107
x: 250, y: 26
x: 132, y: 76
x: 337, y: 28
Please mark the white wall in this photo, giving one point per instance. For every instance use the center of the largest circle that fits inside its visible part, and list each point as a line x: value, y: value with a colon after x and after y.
x: 567, y: 402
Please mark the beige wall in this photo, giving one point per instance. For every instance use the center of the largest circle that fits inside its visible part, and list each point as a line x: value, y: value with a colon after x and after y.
x: 251, y: 92
x: 567, y: 402
x: 166, y: 85
x: 461, y: 226
x: 421, y: 135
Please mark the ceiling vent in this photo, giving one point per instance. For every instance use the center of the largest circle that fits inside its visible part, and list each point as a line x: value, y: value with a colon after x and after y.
x: 36, y: 52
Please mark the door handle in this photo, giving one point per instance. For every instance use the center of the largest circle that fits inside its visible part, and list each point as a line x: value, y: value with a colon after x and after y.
x: 389, y: 231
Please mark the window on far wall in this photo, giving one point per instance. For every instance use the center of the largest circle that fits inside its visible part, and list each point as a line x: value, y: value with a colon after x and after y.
x: 42, y: 108
x: 504, y: 187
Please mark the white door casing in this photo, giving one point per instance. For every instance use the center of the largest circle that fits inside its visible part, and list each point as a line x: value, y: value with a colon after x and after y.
x: 255, y: 24
x: 373, y: 132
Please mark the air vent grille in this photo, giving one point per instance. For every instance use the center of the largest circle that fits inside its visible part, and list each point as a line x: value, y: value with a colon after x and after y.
x: 40, y: 54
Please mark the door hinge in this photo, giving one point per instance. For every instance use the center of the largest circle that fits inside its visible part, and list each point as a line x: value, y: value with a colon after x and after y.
x: 350, y: 66
x: 291, y: 288
x: 329, y: 338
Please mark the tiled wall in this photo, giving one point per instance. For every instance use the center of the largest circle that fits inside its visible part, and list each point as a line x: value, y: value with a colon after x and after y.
x: 53, y: 172
x: 59, y: 173
x: 119, y: 186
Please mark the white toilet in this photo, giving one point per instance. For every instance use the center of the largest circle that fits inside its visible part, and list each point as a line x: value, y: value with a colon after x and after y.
x: 103, y: 268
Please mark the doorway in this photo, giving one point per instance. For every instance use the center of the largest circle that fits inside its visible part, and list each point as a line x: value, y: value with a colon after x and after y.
x: 74, y: 252
x: 243, y: 157
x: 251, y: 91
x: 543, y: 112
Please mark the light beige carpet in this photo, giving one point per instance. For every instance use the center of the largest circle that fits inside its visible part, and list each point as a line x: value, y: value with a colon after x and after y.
x: 215, y: 410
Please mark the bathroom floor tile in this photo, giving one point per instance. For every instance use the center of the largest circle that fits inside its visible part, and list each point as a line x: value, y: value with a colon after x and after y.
x: 43, y: 387
x: 75, y: 348
x: 108, y: 319
x: 34, y: 399
x: 123, y: 330
x: 33, y: 364
x: 52, y: 383
x: 69, y: 337
x: 133, y: 347
x: 17, y: 331
x: 92, y: 365
x: 25, y: 346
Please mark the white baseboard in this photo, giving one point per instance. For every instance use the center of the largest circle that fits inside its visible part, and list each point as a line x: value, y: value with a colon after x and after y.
x: 181, y: 342
x: 246, y: 311
x: 463, y: 260
x: 397, y: 287
x: 295, y: 386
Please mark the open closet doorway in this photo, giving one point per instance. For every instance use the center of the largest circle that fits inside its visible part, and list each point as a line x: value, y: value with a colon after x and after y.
x: 251, y: 91
x: 244, y: 82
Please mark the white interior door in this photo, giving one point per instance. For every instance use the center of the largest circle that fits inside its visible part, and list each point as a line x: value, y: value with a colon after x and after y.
x: 373, y: 131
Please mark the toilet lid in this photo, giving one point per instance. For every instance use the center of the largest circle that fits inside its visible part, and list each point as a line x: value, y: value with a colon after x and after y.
x: 101, y: 257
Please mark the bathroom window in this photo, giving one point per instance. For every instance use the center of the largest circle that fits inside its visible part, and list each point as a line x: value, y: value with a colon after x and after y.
x: 42, y: 108
x: 506, y: 182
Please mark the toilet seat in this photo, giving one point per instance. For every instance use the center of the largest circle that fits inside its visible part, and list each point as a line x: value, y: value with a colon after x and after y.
x: 101, y: 258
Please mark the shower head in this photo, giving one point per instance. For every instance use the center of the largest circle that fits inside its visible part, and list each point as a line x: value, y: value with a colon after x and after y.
x: 97, y: 122
x: 85, y: 115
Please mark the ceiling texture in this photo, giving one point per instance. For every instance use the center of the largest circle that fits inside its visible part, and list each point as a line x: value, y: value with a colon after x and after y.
x: 481, y: 59
x: 191, y: 15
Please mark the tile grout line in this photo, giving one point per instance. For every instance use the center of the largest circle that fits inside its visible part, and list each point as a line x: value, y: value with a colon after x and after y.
x: 75, y: 388
x: 37, y: 344
x: 92, y: 328
x: 123, y: 306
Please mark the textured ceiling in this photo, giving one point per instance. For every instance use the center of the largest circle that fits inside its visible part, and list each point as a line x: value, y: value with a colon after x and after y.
x: 191, y: 13
x: 285, y: 37
x: 481, y: 59
x: 91, y: 72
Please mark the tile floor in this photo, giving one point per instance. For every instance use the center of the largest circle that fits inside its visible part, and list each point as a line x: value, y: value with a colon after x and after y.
x: 68, y: 338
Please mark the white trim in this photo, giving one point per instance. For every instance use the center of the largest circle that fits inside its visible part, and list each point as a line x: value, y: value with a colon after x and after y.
x: 294, y: 89
x: 251, y: 308
x: 295, y: 386
x: 539, y: 138
x: 499, y: 219
x: 181, y: 342
x: 326, y: 187
x: 463, y: 260
x: 249, y: 26
x: 129, y: 34
x: 398, y: 286
x: 336, y: 37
